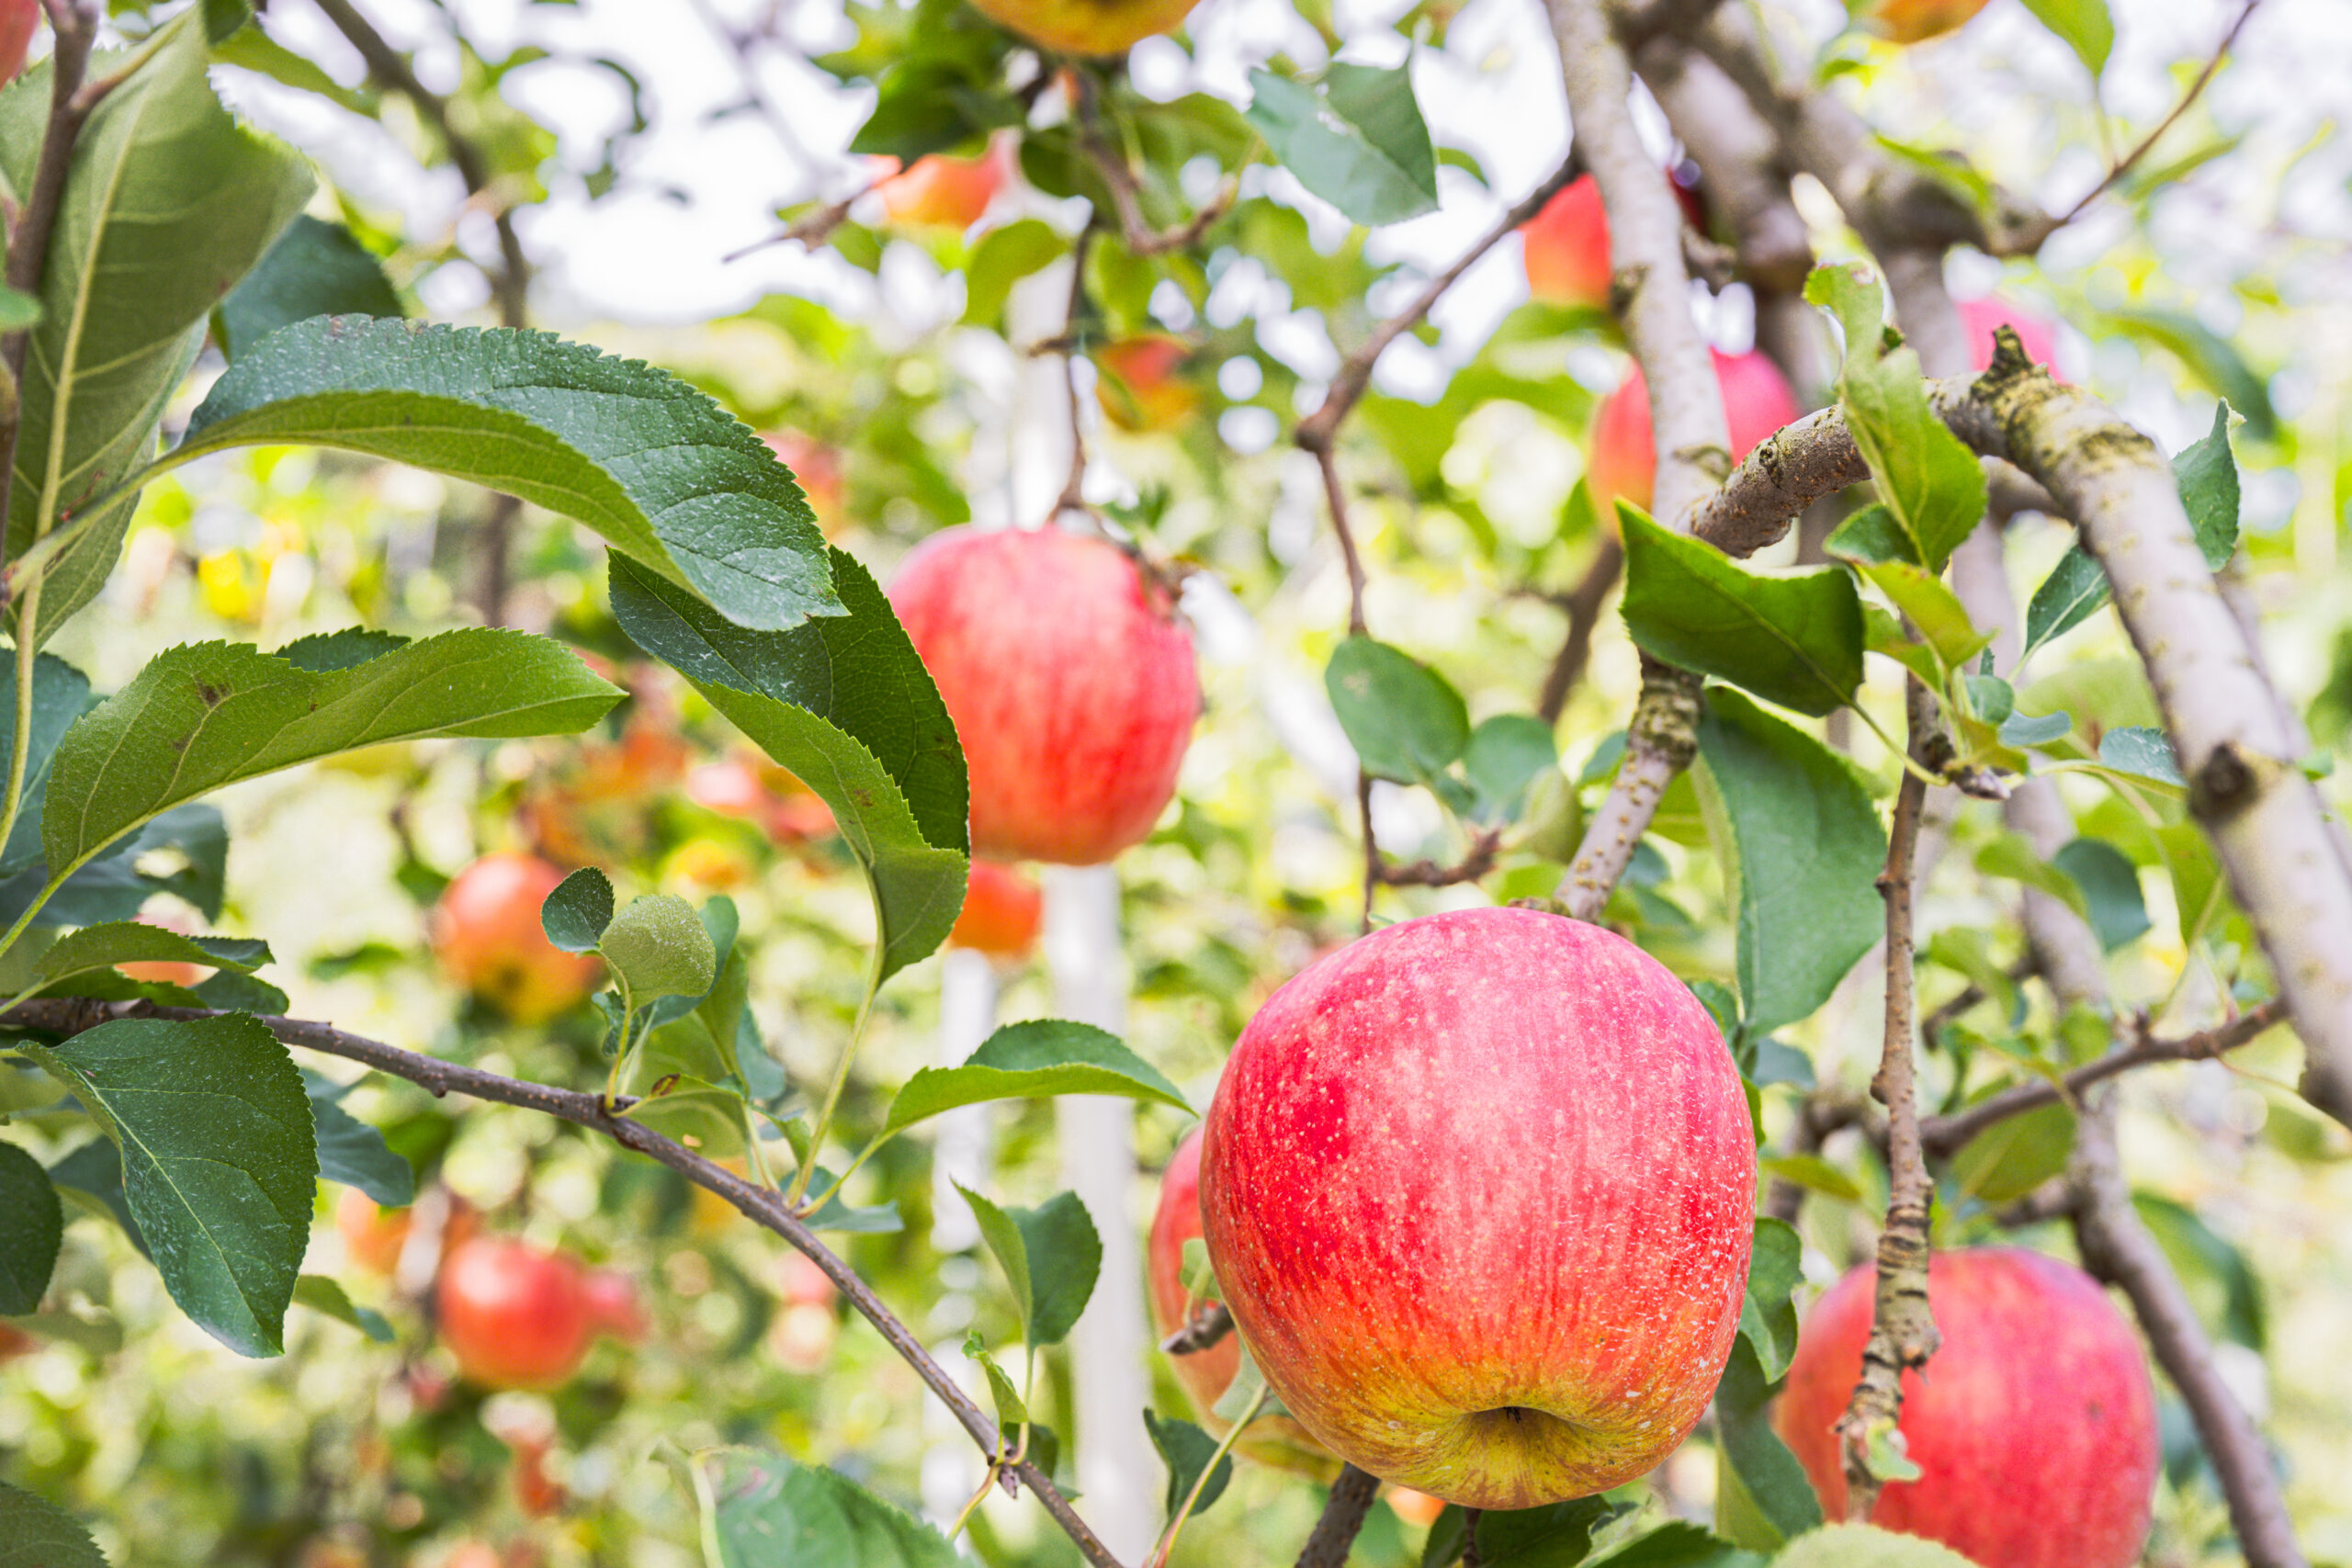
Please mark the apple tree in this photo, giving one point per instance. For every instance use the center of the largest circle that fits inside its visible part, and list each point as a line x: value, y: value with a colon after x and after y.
x: 1174, y: 780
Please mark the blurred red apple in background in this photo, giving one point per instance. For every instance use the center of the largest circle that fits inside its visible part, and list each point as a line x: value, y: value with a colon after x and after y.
x: 1757, y: 401
x: 2036, y: 334
x: 1002, y: 911
x: 1069, y: 679
x: 18, y: 20
x: 167, y: 971
x: 516, y: 1316
x: 1140, y: 383
x: 486, y: 932
x: 1479, y: 1189
x: 1274, y: 1441
x: 1915, y: 21
x: 1565, y: 248
x: 943, y: 192
x: 2034, y: 1425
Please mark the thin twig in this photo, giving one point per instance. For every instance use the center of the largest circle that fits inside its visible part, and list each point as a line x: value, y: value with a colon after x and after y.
x: 1202, y: 1329
x: 63, y: 1015
x: 1136, y: 232
x: 1336, y: 496
x: 1073, y: 495
x: 1479, y: 860
x: 1582, y: 605
x: 1903, y: 1330
x: 1343, y: 1516
x: 2131, y: 160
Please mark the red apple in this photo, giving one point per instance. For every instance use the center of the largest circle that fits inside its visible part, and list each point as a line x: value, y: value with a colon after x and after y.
x: 1913, y: 21
x: 1273, y: 1440
x: 18, y: 20
x: 1141, y: 384
x: 486, y: 932
x: 945, y: 193
x: 1757, y: 401
x: 1565, y: 248
x: 1479, y: 1189
x: 15, y: 1342
x: 516, y: 1316
x: 1002, y: 910
x: 2037, y: 334
x: 1070, y: 681
x: 1087, y: 27
x: 372, y: 1237
x: 1415, y: 1507
x: 2034, y: 1423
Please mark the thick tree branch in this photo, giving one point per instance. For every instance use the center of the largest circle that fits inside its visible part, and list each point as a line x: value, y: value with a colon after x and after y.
x: 766, y: 1207
x: 1343, y: 1514
x: 1204, y: 1329
x: 1903, y: 1330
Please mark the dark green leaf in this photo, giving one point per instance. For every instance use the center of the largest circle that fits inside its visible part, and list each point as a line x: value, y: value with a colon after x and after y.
x: 230, y: 992
x: 2143, y: 751
x: 61, y: 696
x: 17, y: 310
x: 2074, y: 589
x: 1186, y: 1451
x: 321, y: 1295
x: 1406, y: 723
x: 1762, y: 1496
x: 219, y: 1160
x: 767, y: 1512
x: 353, y: 1153
x: 205, y: 714
x: 168, y: 203
x: 93, y: 1173
x: 1871, y: 536
x: 2009, y: 855
x: 34, y: 1224
x: 1768, y: 1318
x: 117, y: 883
x: 1678, y: 1544
x: 575, y: 915
x: 846, y: 705
x: 658, y: 948
x: 131, y: 942
x: 316, y: 268
x: 1357, y: 138
x: 1050, y: 1254
x: 37, y: 1534
x: 1035, y: 1060
x: 1559, y: 1534
x: 2085, y: 27
x: 1791, y: 637
x: 2012, y: 1158
x: 1801, y: 847
x: 835, y: 1215
x: 2111, y: 885
x: 644, y: 459
x: 1506, y: 755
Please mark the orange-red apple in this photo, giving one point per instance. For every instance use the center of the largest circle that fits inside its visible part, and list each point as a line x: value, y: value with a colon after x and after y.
x: 1565, y: 248
x: 1914, y: 21
x: 1002, y: 911
x: 1070, y: 681
x: 1757, y: 401
x: 1479, y: 1189
x: 1141, y: 384
x: 2034, y: 1425
x: 166, y: 971
x: 486, y: 932
x: 18, y: 20
x: 941, y: 192
x: 516, y: 1315
x: 1087, y: 27
x: 1274, y: 1441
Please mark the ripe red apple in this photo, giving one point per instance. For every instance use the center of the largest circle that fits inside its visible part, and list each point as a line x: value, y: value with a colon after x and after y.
x: 486, y: 932
x: 1087, y: 27
x: 1274, y: 1441
x: 1757, y: 401
x: 945, y: 193
x: 18, y: 20
x: 1141, y: 384
x: 2034, y: 1423
x: 1069, y: 679
x: 1565, y: 248
x: 518, y: 1316
x: 1002, y: 910
x: 1479, y: 1189
x: 1913, y: 21
x: 2036, y: 334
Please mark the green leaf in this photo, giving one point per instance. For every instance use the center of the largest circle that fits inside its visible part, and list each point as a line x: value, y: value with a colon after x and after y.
x: 205, y: 714
x: 1050, y: 1254
x: 353, y: 1153
x: 92, y: 1176
x: 315, y: 269
x: 2009, y: 855
x: 28, y: 1240
x: 658, y: 946
x: 131, y: 942
x: 575, y: 915
x: 1869, y: 536
x: 185, y: 853
x: 646, y: 460
x: 1791, y: 637
x: 1356, y: 138
x: 1929, y: 483
x: 1559, y: 1534
x: 1677, y: 1544
x: 1010, y: 1411
x: 35, y: 1533
x: 1186, y: 1451
x: 1768, y: 1319
x: 2035, y: 729
x: 1037, y: 1060
x: 2012, y: 1158
x: 1762, y: 1496
x: 2142, y: 751
x: 169, y: 201
x: 219, y: 1160
x: 846, y: 705
x: 1866, y: 1546
x: 17, y: 310
x: 1934, y: 610
x: 324, y: 1295
x: 1406, y: 723
x: 1002, y: 258
x: 2071, y: 595
x: 2111, y: 885
x: 1813, y: 1174
x: 2197, y: 1250
x: 1506, y: 755
x: 61, y: 696
x: 2083, y: 26
x: 768, y: 1512
x: 1801, y: 847
x: 1248, y: 1394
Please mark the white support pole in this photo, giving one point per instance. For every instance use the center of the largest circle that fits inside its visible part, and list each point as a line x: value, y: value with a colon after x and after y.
x: 1116, y: 1469
x: 963, y: 1149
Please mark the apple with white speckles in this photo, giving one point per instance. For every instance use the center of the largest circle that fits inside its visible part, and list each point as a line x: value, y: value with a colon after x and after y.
x: 1479, y: 1191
